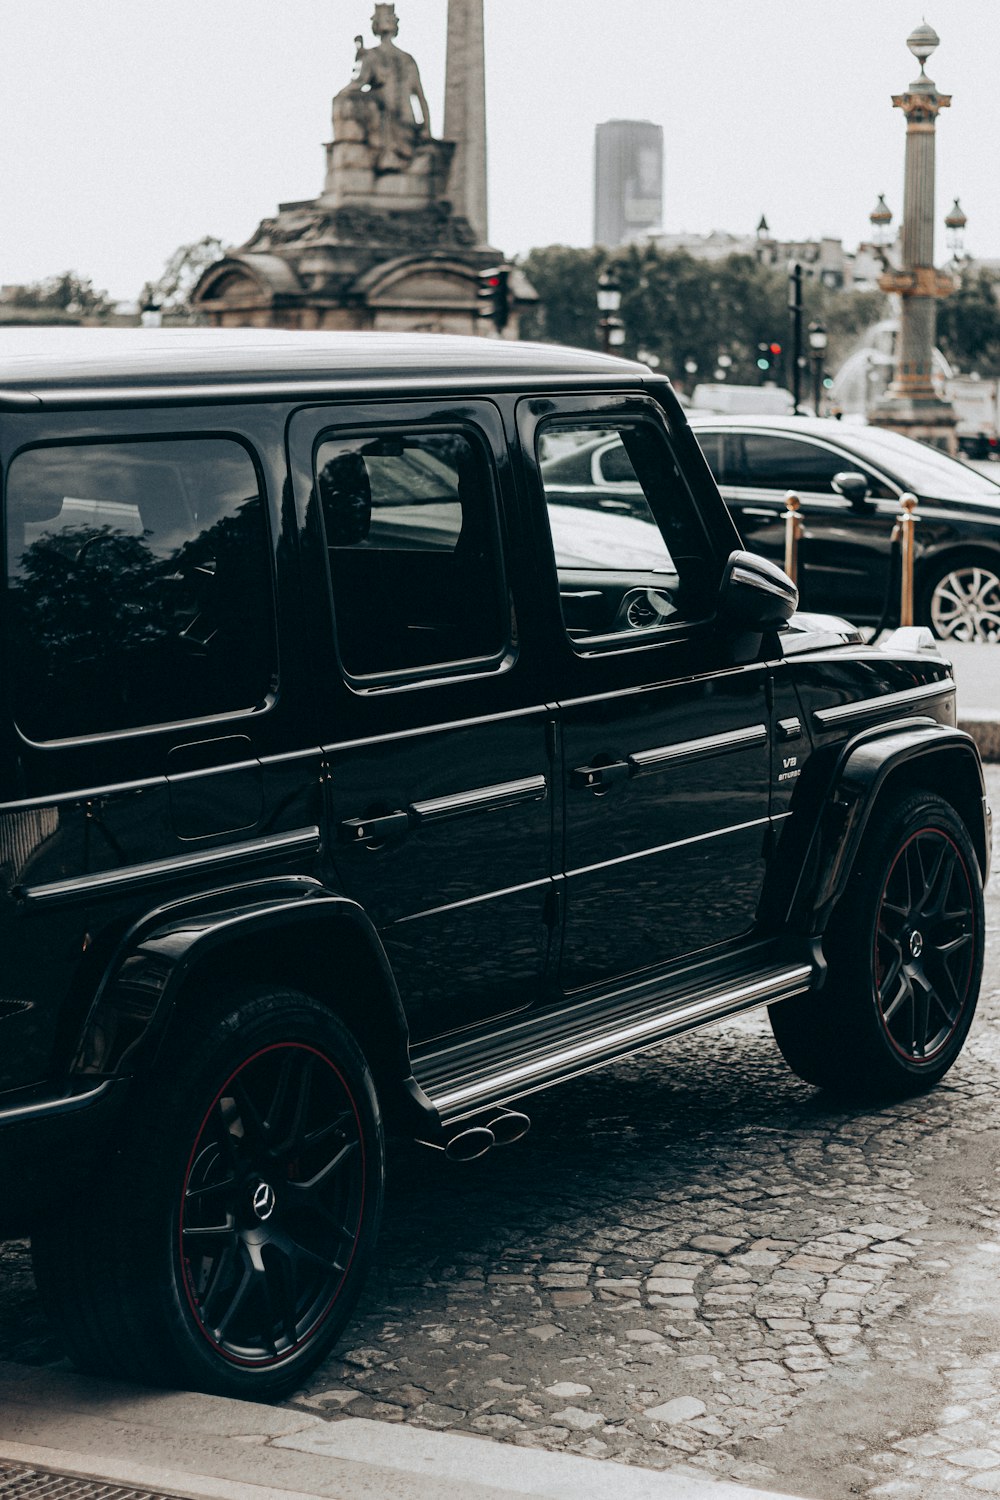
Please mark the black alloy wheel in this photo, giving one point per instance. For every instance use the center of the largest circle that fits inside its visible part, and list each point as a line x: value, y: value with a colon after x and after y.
x: 224, y: 1245
x: 272, y: 1204
x: 925, y: 942
x: 905, y: 958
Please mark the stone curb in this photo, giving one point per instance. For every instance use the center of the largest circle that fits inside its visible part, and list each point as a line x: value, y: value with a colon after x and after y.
x: 210, y: 1448
x: 985, y: 730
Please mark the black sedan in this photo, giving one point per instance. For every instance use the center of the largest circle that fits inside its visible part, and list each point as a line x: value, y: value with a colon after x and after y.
x: 849, y: 479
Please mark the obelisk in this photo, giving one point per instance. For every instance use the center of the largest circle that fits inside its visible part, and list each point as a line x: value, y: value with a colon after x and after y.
x: 465, y: 112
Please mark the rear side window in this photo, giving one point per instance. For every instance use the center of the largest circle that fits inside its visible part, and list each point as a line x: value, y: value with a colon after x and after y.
x: 414, y: 550
x: 774, y: 462
x: 139, y: 585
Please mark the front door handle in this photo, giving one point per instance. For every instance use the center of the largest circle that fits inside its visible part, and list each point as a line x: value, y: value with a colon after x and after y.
x: 593, y: 778
x: 373, y: 830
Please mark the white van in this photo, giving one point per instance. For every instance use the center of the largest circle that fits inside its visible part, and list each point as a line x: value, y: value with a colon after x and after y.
x: 731, y: 400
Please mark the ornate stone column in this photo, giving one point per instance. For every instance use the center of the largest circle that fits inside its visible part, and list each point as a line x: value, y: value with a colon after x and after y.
x: 911, y: 404
x: 465, y: 112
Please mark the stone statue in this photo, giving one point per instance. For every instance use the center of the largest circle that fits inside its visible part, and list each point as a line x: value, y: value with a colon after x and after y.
x: 376, y: 107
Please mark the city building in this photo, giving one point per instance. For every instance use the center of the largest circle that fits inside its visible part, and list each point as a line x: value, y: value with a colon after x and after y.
x: 823, y: 260
x: 628, y: 181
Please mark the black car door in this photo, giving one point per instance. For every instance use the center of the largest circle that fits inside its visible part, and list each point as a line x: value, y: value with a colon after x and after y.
x: 438, y: 755
x: 664, y: 744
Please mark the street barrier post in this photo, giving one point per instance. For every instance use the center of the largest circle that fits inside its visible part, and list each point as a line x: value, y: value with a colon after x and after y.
x: 793, y: 532
x: 907, y: 525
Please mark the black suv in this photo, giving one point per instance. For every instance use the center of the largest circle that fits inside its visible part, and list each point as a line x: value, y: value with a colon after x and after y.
x: 355, y: 775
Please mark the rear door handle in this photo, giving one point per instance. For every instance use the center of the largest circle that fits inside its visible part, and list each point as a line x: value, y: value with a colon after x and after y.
x: 373, y: 830
x: 589, y: 778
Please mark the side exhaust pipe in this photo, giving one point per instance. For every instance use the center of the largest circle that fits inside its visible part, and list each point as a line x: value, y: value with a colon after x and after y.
x: 509, y: 1127
x: 469, y: 1144
x: 475, y: 1140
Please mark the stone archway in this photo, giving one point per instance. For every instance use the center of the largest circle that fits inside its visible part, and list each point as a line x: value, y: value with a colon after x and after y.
x: 420, y: 294
x: 248, y: 291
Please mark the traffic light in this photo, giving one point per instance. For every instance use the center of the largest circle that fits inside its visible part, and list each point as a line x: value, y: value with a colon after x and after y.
x: 768, y: 355
x: 493, y: 296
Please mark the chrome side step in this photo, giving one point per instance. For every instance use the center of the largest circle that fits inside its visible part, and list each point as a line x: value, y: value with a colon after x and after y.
x: 468, y: 1090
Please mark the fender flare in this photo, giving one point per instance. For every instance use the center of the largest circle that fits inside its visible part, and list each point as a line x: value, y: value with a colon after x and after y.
x: 864, y: 766
x: 133, y: 1004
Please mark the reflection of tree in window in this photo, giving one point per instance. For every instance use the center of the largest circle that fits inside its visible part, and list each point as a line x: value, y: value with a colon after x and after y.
x: 113, y: 629
x: 223, y: 608
x: 86, y: 602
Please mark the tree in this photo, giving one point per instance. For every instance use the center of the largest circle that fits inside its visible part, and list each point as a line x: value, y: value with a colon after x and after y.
x: 171, y: 291
x: 682, y: 311
x: 687, y: 311
x: 566, y: 282
x: 968, y: 323
x: 66, y: 296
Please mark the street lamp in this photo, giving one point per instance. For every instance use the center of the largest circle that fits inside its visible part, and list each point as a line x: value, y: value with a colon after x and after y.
x: 817, y: 350
x: 609, y: 301
x: 880, y: 219
x: 955, y: 223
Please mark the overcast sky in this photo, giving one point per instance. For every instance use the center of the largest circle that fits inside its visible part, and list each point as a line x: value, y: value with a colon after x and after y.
x: 132, y: 126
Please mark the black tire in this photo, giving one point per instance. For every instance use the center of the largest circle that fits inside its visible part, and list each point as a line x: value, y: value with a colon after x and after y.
x: 960, y: 598
x: 223, y: 1247
x: 905, y: 955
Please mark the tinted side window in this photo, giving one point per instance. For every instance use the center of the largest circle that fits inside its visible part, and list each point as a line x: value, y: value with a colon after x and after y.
x: 413, y: 540
x: 711, y: 444
x: 641, y: 539
x: 139, y: 585
x: 774, y: 462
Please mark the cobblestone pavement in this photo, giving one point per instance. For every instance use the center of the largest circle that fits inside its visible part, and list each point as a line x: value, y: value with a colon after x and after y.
x: 695, y: 1260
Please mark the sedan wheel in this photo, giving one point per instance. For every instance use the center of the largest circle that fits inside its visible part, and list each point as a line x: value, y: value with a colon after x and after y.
x: 965, y: 604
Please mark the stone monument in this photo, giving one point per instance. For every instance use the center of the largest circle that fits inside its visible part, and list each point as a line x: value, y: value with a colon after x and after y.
x: 911, y: 405
x: 388, y: 244
x: 465, y: 110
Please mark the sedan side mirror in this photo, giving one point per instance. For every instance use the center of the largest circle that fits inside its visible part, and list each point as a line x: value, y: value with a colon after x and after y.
x: 853, y: 487
x: 756, y: 594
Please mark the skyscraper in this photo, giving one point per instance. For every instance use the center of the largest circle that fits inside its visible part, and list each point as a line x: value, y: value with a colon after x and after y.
x: 628, y: 180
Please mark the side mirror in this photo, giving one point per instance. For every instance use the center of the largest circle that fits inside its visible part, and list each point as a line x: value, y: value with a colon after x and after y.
x: 853, y: 487
x: 756, y: 594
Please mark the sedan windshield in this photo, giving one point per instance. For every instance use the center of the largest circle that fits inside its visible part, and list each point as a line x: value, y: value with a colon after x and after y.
x: 923, y: 469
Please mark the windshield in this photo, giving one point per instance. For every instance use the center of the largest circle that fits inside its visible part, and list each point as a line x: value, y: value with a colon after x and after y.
x: 923, y: 469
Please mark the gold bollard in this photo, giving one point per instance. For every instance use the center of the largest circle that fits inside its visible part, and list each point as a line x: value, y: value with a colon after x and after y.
x: 793, y: 531
x: 907, y: 524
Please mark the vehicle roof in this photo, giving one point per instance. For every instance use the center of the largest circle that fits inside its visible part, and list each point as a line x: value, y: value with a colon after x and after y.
x: 40, y: 363
x: 827, y: 427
